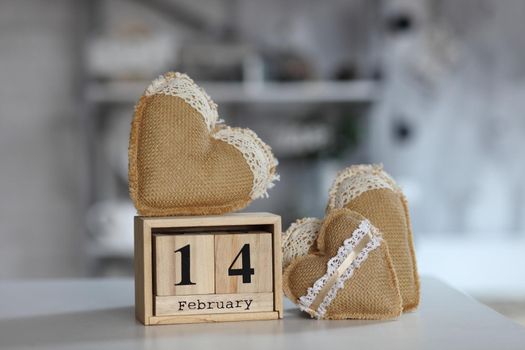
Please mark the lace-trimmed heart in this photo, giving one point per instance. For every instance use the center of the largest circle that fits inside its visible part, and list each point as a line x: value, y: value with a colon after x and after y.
x: 347, y: 274
x: 183, y: 161
x: 371, y: 192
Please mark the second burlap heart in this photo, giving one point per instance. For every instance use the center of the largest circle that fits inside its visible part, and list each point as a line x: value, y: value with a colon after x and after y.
x: 371, y: 192
x: 347, y: 273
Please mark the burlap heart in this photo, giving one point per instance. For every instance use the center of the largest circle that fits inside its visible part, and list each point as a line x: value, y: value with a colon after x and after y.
x: 182, y: 161
x: 371, y: 192
x: 348, y: 273
x: 300, y: 239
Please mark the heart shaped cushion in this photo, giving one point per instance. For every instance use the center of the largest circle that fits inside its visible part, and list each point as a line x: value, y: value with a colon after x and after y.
x: 182, y: 161
x: 347, y: 275
x: 300, y: 239
x: 371, y: 192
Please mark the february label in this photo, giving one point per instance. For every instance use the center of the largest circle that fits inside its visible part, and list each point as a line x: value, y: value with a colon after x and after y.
x: 213, y: 303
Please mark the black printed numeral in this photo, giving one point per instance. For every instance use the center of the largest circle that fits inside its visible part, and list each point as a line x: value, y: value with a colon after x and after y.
x: 185, y: 278
x: 246, y: 271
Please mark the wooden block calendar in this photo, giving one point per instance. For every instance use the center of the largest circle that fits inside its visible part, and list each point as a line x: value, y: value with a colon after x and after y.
x: 191, y: 269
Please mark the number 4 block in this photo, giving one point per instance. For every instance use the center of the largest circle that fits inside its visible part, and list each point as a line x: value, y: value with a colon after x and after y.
x: 243, y: 263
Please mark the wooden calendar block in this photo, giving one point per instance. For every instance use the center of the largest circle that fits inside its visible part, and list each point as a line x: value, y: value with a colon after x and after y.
x: 184, y: 264
x: 191, y: 269
x: 243, y: 263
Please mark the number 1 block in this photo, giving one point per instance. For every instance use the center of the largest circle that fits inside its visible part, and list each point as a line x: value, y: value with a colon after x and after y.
x: 243, y: 263
x: 184, y: 264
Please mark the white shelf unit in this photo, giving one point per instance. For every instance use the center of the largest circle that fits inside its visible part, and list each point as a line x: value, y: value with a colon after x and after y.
x: 358, y: 91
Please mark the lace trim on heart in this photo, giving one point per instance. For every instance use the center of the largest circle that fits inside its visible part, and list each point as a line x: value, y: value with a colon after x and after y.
x: 357, y: 179
x: 181, y: 85
x: 333, y: 264
x: 298, y: 239
x: 257, y: 154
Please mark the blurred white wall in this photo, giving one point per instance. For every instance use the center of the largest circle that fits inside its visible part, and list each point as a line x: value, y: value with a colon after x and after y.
x: 450, y: 126
x: 39, y: 215
x: 456, y: 86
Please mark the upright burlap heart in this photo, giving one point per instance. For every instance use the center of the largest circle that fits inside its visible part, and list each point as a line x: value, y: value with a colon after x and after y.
x: 347, y: 275
x: 182, y: 161
x: 371, y: 192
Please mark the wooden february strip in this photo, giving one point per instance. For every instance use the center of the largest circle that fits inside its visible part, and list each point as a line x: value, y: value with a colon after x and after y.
x: 213, y: 304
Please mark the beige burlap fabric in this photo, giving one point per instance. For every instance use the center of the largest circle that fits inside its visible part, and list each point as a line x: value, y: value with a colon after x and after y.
x: 371, y: 192
x: 182, y: 161
x: 370, y: 290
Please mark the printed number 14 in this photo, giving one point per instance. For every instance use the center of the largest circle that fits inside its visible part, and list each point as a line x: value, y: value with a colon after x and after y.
x: 246, y: 271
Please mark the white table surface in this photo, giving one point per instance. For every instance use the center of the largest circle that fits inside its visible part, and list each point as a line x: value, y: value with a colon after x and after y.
x: 98, y: 314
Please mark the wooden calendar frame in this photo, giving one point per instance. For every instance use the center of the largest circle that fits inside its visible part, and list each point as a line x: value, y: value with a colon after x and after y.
x: 145, y: 227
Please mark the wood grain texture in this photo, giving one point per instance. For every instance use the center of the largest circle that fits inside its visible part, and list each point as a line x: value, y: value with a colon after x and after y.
x: 235, y: 219
x: 227, y: 254
x: 277, y: 266
x: 146, y: 227
x: 139, y: 270
x: 143, y: 271
x: 213, y: 304
x: 247, y: 316
x: 168, y: 264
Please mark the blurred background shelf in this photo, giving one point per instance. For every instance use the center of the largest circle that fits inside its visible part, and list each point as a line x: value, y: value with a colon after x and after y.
x: 363, y: 91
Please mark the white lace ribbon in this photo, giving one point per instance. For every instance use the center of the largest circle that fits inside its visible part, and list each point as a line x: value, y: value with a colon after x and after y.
x: 353, y: 181
x: 256, y: 153
x: 180, y: 85
x: 340, y: 268
x: 299, y: 238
